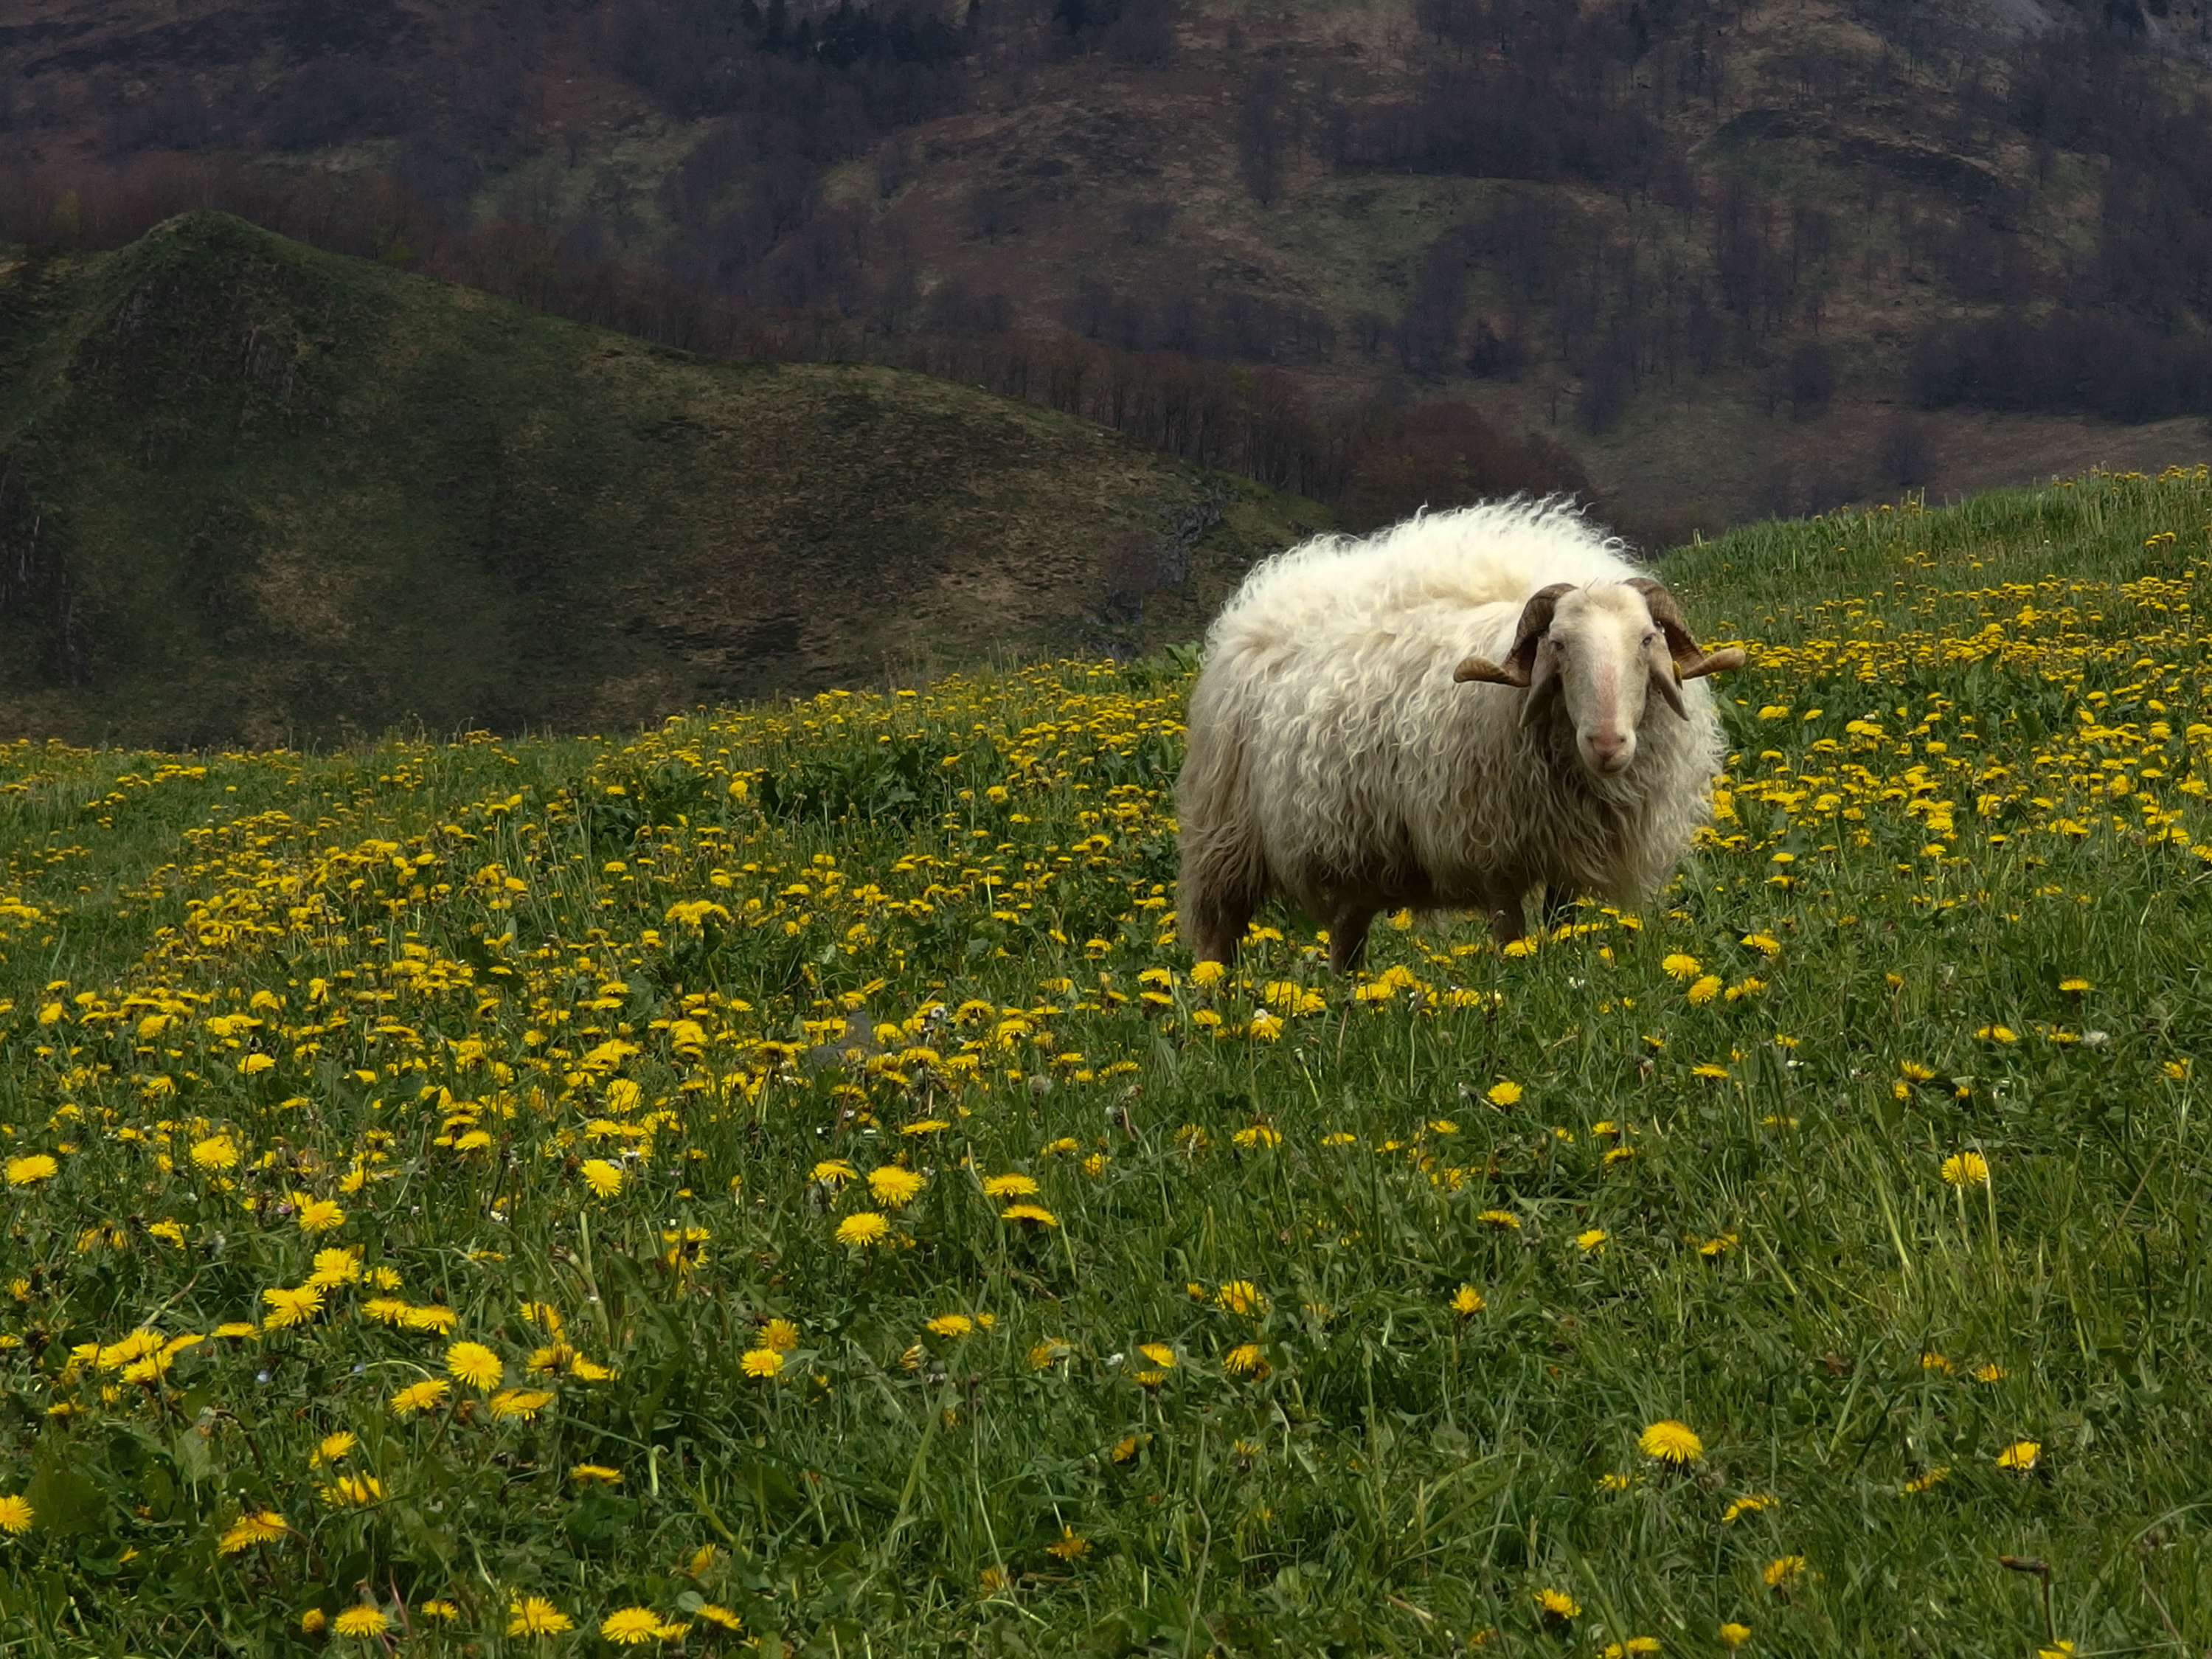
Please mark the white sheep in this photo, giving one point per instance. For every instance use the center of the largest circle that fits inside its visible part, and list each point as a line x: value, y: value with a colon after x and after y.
x: 1340, y: 755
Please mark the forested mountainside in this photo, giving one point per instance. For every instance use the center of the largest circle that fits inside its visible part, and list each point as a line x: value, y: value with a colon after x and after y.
x: 1719, y: 257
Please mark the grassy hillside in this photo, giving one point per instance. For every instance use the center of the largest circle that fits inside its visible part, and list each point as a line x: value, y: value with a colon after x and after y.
x: 253, y: 493
x: 776, y: 1178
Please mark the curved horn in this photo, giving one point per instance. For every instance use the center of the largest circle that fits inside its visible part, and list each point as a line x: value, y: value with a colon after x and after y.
x: 1535, y: 617
x: 1692, y: 660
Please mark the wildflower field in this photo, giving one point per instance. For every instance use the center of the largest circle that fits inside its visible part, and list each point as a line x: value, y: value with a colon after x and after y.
x: 777, y: 1183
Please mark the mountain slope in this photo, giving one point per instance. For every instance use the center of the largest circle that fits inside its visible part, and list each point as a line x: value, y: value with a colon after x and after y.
x: 255, y: 492
x: 1744, y: 256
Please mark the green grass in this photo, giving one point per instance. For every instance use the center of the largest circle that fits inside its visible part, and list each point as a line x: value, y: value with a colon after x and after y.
x: 1972, y: 759
x: 250, y: 493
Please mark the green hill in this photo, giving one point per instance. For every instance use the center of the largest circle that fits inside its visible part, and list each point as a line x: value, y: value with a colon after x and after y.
x: 250, y: 492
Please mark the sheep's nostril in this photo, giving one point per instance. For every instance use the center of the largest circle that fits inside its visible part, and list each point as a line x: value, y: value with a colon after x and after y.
x: 1609, y: 752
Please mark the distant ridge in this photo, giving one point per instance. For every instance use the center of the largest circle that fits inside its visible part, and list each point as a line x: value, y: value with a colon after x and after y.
x: 250, y: 492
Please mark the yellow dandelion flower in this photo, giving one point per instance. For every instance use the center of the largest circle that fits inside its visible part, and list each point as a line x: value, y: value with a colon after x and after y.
x: 1703, y: 989
x: 1159, y: 1353
x: 1467, y: 1300
x: 334, y: 1268
x: 524, y: 1403
x: 333, y: 1447
x: 1241, y: 1296
x: 215, y: 1154
x: 1069, y: 1547
x: 29, y: 1171
x: 317, y: 1215
x: 1047, y: 1353
x: 533, y: 1616
x: 439, y: 1608
x: 2022, y: 1456
x: 1765, y: 943
x: 312, y: 1621
x: 1505, y: 1218
x: 1671, y: 1442
x: 475, y: 1364
x: 598, y: 1472
x: 2073, y: 985
x: 16, y: 1514
x: 355, y: 1491
x: 1928, y: 1480
x: 1750, y: 1503
x: 1734, y: 1635
x: 254, y: 1527
x: 1557, y: 1605
x: 780, y: 1334
x: 432, y: 1316
x: 1505, y: 1092
x: 1591, y: 1240
x: 862, y: 1228
x: 714, y: 1614
x: 291, y: 1307
x: 1034, y: 1214
x: 631, y: 1626
x: 762, y: 1363
x: 1966, y: 1170
x: 894, y: 1186
x: 362, y: 1620
x: 1009, y: 1186
x: 1245, y: 1360
x: 952, y: 1325
x: 138, y: 1343
x: 1680, y: 966
x: 1782, y: 1571
x: 603, y: 1178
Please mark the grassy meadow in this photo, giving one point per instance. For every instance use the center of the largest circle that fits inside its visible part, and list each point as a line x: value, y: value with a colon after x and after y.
x: 774, y: 1184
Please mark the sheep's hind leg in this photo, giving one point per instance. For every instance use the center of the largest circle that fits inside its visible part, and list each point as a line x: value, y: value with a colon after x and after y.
x: 1347, y: 936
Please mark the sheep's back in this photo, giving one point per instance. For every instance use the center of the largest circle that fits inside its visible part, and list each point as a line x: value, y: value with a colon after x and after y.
x: 1334, y: 587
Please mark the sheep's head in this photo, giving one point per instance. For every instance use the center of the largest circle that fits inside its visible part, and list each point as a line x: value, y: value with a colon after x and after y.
x: 1601, y: 651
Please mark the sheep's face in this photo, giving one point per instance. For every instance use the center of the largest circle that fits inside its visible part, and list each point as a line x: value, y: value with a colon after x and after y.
x: 1601, y: 651
x: 1601, y: 658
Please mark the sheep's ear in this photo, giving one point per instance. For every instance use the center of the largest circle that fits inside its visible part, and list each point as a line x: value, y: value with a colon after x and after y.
x: 1528, y: 635
x: 1544, y: 688
x: 1692, y: 660
x: 1712, y: 662
x: 1490, y: 673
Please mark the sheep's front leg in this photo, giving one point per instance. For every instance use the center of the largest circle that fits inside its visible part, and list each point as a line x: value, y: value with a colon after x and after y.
x: 1347, y: 936
x: 1506, y: 923
x: 1558, y: 907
